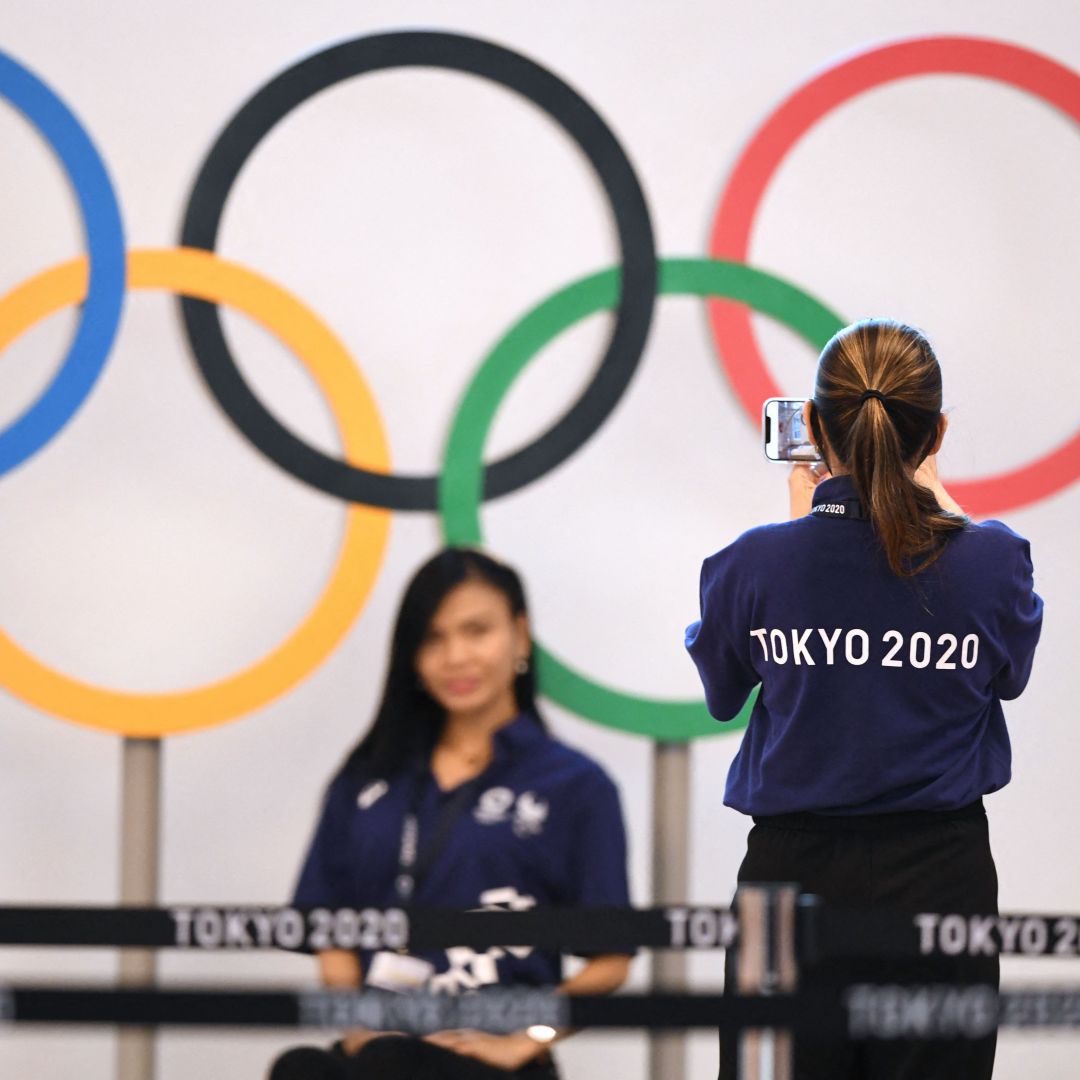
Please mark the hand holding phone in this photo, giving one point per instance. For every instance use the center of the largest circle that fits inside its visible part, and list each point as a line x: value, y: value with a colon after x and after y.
x: 802, y: 480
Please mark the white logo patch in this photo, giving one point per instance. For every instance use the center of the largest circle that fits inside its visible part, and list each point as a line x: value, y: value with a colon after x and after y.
x: 509, y: 899
x: 530, y: 814
x: 371, y: 793
x: 494, y: 806
x: 471, y: 970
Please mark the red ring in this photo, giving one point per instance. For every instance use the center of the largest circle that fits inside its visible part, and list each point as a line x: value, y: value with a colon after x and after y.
x: 732, y: 329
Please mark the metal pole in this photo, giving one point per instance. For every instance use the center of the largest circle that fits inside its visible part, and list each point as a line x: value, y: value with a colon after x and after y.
x: 670, y: 885
x: 140, y: 821
x: 766, y: 965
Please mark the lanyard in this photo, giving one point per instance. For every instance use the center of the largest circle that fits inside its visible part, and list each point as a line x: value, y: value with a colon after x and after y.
x: 414, y: 863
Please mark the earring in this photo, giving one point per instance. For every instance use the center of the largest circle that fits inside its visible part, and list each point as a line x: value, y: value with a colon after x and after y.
x: 522, y: 665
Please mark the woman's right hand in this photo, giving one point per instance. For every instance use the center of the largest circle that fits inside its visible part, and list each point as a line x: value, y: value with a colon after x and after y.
x: 354, y: 1040
x: 340, y: 970
x: 802, y: 480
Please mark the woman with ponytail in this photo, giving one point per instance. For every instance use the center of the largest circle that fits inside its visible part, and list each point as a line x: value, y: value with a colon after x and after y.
x: 885, y: 629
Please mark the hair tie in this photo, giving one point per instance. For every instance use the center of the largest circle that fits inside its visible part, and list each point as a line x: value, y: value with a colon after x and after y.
x: 873, y: 393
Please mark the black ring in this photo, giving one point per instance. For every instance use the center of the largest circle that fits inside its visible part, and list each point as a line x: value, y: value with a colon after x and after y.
x: 455, y: 52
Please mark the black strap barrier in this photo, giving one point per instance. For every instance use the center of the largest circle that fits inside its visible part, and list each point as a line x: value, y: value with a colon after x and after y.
x: 246, y: 928
x: 828, y: 932
x: 934, y: 1011
x: 885, y: 933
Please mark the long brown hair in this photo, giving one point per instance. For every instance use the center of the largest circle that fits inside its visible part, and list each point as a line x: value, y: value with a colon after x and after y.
x: 878, y: 398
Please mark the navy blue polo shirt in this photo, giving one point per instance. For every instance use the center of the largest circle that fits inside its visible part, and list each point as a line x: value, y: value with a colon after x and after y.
x: 543, y: 828
x: 878, y: 693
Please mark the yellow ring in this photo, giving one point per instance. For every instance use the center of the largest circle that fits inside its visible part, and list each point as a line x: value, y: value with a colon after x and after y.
x: 206, y: 276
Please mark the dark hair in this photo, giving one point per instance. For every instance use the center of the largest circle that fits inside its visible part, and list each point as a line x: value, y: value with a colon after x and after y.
x: 878, y: 397
x: 409, y: 721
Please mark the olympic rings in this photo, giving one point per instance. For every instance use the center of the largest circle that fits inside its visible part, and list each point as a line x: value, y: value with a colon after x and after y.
x: 362, y: 475
x: 100, y: 315
x: 203, y: 274
x: 460, y: 489
x: 564, y: 105
x: 1011, y: 64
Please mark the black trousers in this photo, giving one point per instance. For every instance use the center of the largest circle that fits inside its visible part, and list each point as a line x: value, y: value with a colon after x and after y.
x: 396, y: 1057
x: 914, y: 862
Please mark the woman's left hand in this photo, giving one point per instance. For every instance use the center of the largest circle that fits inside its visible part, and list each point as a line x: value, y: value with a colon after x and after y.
x: 508, y: 1052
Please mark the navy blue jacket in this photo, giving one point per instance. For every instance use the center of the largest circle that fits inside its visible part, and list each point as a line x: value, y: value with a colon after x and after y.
x: 878, y: 693
x: 544, y: 828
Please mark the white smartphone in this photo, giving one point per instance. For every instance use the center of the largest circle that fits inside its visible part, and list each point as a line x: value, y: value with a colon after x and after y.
x: 785, y: 436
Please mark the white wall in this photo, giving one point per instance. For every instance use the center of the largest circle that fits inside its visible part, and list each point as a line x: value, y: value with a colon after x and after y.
x: 149, y: 547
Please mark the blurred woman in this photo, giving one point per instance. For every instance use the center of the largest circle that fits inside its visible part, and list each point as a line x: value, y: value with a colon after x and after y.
x: 458, y: 797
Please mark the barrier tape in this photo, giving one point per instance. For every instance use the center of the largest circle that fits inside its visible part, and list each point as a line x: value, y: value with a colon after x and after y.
x: 866, y: 1011
x: 945, y: 1011
x: 851, y: 933
x: 830, y: 932
x: 493, y: 1010
x: 298, y: 929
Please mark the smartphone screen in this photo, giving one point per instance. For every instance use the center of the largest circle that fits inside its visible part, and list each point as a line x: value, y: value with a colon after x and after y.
x: 786, y: 437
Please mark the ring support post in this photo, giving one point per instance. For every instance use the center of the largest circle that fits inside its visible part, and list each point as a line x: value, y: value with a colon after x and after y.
x: 671, y: 874
x: 140, y: 830
x: 765, y: 966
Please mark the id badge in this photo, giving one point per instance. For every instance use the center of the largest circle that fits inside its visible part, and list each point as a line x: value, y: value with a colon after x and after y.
x: 398, y: 972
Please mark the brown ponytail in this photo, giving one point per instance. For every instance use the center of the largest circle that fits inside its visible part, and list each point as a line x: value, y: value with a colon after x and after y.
x: 878, y: 398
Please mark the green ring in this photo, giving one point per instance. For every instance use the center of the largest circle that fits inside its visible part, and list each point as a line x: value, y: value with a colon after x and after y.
x: 462, y: 477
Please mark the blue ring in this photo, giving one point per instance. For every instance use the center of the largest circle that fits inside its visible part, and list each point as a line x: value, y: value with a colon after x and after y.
x: 104, y: 233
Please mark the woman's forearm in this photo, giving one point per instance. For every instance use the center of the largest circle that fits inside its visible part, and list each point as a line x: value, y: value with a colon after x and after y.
x: 600, y: 975
x: 339, y: 969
